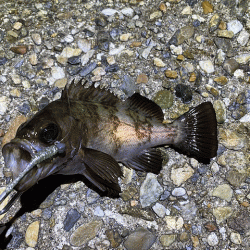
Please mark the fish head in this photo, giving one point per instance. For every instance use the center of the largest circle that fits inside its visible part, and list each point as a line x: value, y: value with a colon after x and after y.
x: 51, y: 125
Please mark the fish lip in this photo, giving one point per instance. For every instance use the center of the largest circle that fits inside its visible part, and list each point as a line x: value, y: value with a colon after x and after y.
x: 24, y: 145
x: 18, y: 163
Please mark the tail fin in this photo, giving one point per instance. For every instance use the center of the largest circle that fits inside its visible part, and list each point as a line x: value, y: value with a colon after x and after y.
x: 198, y: 132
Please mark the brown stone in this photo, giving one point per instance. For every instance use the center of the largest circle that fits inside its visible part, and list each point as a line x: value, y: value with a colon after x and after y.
x: 195, y: 241
x: 142, y: 78
x: 211, y: 226
x: 135, y: 44
x: 192, y: 77
x: 171, y: 74
x: 21, y: 49
x: 244, y: 204
x: 207, y: 7
x: 163, y: 7
x: 222, y: 25
x: 180, y: 57
x: 222, y: 80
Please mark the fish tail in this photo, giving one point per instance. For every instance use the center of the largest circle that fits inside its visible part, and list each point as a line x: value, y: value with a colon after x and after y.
x: 197, y: 132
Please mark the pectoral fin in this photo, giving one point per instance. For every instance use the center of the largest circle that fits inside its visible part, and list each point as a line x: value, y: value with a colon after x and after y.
x: 103, y: 165
x: 99, y: 168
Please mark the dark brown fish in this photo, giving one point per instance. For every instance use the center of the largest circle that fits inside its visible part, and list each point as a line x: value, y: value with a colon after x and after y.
x: 99, y: 130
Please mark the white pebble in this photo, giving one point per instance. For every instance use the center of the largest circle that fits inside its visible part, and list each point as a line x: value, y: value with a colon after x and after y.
x: 235, y: 238
x: 176, y: 50
x: 159, y: 209
x: 68, y: 39
x: 239, y: 73
x: 108, y: 12
x: 98, y: 211
x: 245, y: 118
x: 207, y: 66
x: 243, y: 38
x: 84, y: 45
x: 235, y: 26
x: 212, y: 239
x: 3, y: 105
x: 179, y: 192
x: 129, y: 12
x: 57, y: 73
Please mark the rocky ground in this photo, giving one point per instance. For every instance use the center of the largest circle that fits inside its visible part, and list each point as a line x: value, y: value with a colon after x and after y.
x: 178, y: 53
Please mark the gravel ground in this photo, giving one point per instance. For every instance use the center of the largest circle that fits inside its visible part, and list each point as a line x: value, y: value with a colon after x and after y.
x: 178, y: 53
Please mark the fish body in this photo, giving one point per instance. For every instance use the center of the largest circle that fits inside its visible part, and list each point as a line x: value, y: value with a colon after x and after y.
x: 99, y: 130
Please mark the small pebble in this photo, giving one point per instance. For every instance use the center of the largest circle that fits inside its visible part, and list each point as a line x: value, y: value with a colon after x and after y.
x: 174, y: 222
x: 87, y: 69
x: 31, y: 235
x: 179, y: 192
x: 84, y: 45
x: 36, y: 38
x: 85, y: 233
x: 167, y: 239
x: 224, y: 192
x: 235, y: 26
x: 184, y: 92
x: 125, y: 37
x: 109, y: 12
x: 140, y: 239
x: 142, y: 78
x: 243, y: 37
x: 155, y: 15
x: 98, y: 211
x: 171, y: 74
x: 207, y: 7
x: 17, y: 26
x: 71, y: 218
x: 235, y: 238
x: 159, y: 209
x: 207, y: 66
x: 222, y: 213
x: 159, y: 63
x: 21, y: 49
x: 180, y: 175
x: 225, y: 33
x: 150, y: 190
x: 129, y: 12
x: 212, y: 239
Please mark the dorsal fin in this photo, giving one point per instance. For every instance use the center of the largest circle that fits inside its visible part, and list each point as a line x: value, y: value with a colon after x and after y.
x: 79, y: 92
x: 144, y: 105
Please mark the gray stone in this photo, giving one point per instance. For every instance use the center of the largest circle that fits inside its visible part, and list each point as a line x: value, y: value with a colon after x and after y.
x: 224, y: 192
x: 179, y: 192
x: 140, y: 239
x: 230, y: 65
x: 150, y: 190
x: 168, y: 239
x: 85, y: 233
x: 71, y: 218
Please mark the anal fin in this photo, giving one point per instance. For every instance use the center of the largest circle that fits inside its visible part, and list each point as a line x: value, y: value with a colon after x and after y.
x: 149, y: 160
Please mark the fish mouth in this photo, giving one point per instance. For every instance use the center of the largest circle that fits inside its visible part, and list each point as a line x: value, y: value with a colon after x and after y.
x: 17, y: 154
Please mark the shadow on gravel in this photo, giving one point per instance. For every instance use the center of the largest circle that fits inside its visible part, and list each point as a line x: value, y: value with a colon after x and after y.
x: 32, y: 198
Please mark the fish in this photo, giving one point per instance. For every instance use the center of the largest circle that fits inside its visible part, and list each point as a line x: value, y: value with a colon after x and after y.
x: 98, y: 131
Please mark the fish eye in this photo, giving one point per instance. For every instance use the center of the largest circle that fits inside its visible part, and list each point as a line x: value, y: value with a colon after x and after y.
x: 49, y: 133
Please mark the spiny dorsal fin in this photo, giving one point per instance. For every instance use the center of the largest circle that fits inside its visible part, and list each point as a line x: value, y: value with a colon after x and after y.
x: 79, y: 92
x: 144, y: 105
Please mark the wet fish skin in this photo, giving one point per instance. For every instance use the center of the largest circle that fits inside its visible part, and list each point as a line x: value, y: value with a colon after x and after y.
x: 99, y: 130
